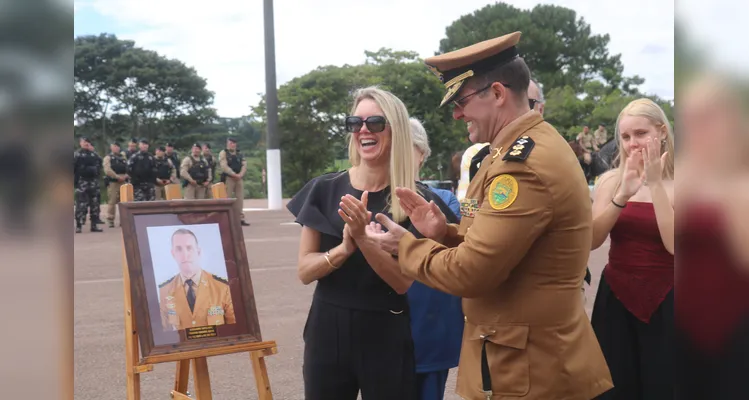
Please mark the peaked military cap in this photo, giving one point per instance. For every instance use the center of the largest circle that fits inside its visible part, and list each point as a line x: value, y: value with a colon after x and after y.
x: 455, y: 67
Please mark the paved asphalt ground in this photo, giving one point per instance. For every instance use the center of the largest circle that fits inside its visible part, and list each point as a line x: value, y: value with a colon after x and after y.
x: 282, y: 303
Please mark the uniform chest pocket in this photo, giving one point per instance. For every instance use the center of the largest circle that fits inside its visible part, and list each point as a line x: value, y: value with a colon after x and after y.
x: 506, y: 355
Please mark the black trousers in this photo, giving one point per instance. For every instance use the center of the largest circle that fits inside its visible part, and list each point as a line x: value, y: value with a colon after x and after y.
x: 640, y: 356
x: 350, y: 350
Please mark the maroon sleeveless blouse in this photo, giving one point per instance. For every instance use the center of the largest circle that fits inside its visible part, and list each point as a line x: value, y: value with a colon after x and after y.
x: 640, y: 271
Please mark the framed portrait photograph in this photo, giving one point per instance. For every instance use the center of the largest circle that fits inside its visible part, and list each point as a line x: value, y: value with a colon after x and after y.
x: 189, y: 278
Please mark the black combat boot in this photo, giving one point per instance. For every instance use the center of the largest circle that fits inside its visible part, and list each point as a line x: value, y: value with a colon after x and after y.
x: 111, y: 224
x: 77, y: 229
x: 94, y: 228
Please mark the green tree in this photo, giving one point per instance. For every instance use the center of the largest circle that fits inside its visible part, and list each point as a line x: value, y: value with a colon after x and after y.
x: 583, y: 82
x: 558, y: 47
x: 138, y: 91
x: 312, y: 109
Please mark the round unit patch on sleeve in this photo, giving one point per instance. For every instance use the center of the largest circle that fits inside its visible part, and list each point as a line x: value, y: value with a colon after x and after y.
x: 503, y: 192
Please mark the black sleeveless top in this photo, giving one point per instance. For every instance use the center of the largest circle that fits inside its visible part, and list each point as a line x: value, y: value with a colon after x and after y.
x: 354, y: 284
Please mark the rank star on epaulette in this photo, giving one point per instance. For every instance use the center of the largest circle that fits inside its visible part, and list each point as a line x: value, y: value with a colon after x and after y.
x: 520, y: 149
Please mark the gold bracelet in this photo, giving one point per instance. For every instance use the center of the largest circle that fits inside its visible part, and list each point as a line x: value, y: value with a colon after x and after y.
x: 327, y: 258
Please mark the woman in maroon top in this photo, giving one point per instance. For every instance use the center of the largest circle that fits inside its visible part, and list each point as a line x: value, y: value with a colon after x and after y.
x: 633, y: 205
x: 712, y: 309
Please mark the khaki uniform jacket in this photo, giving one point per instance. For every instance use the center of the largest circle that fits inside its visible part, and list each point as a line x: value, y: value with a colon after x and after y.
x: 586, y: 140
x: 517, y: 259
x: 107, y: 165
x: 213, y: 304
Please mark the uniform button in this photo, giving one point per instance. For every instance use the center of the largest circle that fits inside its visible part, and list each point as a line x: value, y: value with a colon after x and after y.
x: 465, y: 318
x: 193, y: 322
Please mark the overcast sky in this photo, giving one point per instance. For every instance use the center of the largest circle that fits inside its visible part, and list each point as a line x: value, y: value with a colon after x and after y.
x: 223, y: 39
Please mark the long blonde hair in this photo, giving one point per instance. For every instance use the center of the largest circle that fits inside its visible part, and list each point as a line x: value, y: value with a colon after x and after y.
x: 402, y: 173
x: 652, y: 112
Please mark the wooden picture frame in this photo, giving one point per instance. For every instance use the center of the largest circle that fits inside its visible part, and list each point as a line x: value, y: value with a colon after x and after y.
x: 157, y: 343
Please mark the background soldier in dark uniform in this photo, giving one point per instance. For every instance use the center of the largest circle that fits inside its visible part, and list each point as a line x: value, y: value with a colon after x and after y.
x: 208, y: 155
x: 165, y: 173
x: 87, y: 168
x: 115, y: 171
x: 233, y: 168
x: 174, y: 157
x: 195, y: 172
x: 132, y: 149
x: 142, y: 170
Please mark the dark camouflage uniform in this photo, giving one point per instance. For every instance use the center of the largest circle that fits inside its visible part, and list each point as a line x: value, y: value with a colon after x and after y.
x: 142, y: 171
x: 87, y: 169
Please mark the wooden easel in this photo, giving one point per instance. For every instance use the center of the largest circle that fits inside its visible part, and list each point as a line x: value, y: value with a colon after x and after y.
x: 201, y: 377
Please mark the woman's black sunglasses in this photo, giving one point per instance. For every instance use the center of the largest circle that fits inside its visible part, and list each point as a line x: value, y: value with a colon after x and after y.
x: 375, y: 124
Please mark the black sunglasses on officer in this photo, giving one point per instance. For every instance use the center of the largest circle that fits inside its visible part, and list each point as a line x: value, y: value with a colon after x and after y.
x: 375, y: 123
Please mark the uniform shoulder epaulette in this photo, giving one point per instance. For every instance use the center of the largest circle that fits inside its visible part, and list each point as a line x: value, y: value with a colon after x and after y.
x: 169, y: 280
x: 520, y: 149
x: 220, y: 279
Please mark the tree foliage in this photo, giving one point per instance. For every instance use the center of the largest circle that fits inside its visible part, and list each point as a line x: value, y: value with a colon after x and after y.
x: 583, y: 83
x: 122, y: 90
x: 312, y: 109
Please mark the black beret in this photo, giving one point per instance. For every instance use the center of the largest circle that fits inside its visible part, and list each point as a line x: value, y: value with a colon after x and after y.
x: 162, y: 148
x: 169, y: 144
x: 86, y: 139
x: 231, y: 139
x: 144, y: 141
x: 134, y: 140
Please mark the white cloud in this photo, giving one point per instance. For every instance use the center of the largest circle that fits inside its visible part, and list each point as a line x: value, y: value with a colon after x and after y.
x: 224, y: 39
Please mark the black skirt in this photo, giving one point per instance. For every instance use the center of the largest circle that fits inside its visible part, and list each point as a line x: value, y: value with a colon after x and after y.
x: 639, y: 355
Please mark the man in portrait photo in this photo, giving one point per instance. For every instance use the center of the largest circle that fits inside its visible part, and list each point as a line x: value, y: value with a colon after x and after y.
x: 193, y: 297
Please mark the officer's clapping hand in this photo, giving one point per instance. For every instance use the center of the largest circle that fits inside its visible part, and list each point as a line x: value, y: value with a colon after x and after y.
x: 387, y: 240
x: 426, y: 217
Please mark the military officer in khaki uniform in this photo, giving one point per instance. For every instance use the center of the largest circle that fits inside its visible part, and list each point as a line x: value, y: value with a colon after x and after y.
x: 211, y: 160
x: 233, y: 167
x: 165, y: 173
x: 115, y: 169
x: 601, y: 136
x: 520, y: 252
x: 195, y: 173
x: 588, y: 143
x: 193, y: 297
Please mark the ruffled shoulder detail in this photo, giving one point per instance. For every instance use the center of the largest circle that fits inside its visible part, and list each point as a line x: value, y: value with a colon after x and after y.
x: 309, y: 204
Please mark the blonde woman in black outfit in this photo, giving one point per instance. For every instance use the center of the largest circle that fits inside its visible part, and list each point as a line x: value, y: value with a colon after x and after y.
x: 357, y: 336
